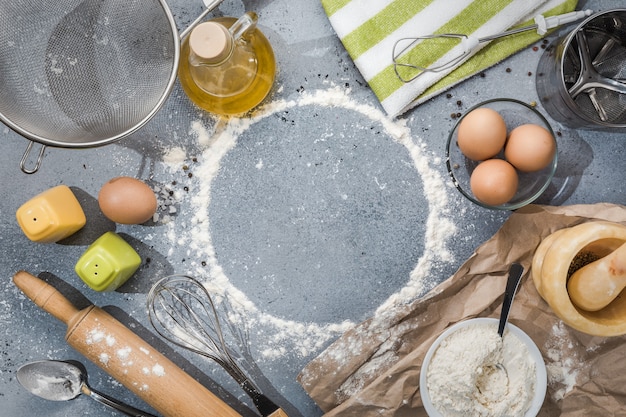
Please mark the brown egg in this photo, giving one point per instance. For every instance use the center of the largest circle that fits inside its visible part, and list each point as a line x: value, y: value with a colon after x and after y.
x: 127, y: 200
x: 530, y: 148
x: 494, y: 182
x: 481, y: 134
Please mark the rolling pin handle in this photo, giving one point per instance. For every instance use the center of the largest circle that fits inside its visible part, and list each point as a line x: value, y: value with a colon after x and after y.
x: 45, y: 296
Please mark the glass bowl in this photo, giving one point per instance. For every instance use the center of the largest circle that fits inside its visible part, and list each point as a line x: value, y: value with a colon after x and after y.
x: 531, y: 184
x: 541, y: 375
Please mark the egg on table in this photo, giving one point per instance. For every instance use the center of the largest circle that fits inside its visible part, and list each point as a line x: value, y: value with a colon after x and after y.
x: 127, y: 200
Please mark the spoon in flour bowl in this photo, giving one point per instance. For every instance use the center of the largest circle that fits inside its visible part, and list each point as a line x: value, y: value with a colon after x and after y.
x: 515, y: 276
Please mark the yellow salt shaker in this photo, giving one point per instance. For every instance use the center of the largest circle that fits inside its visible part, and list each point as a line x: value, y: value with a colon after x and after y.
x: 51, y: 216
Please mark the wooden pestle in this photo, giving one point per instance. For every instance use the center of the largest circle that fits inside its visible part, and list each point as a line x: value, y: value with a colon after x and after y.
x: 125, y: 356
x: 595, y: 285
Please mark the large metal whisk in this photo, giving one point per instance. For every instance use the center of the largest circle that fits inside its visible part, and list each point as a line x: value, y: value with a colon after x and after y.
x: 411, y: 56
x: 183, y: 312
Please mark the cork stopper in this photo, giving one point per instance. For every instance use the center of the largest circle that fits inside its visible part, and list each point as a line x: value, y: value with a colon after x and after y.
x: 210, y: 41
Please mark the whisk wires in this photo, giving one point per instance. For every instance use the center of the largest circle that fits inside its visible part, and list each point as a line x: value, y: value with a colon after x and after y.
x: 182, y: 311
x: 414, y: 56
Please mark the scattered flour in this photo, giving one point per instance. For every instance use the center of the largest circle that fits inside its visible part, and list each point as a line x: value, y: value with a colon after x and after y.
x: 174, y: 158
x: 563, y: 364
x: 123, y: 356
x: 104, y: 358
x: 95, y: 336
x: 370, y: 369
x: 288, y: 336
x: 124, y: 353
x: 463, y: 378
x: 158, y: 370
x: 389, y: 342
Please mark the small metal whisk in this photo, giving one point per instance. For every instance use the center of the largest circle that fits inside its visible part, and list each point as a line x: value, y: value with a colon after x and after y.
x: 412, y: 56
x: 183, y: 312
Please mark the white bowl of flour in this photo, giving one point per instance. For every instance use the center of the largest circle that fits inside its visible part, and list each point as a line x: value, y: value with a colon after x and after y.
x: 471, y: 371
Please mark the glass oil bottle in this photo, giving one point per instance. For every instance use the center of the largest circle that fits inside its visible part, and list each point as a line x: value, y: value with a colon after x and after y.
x: 227, y: 65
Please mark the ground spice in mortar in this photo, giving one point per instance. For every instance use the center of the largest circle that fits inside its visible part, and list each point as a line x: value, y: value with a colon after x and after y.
x: 463, y: 379
x: 581, y: 259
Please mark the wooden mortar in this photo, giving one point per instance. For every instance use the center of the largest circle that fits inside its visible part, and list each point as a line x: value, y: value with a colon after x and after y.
x: 550, y: 272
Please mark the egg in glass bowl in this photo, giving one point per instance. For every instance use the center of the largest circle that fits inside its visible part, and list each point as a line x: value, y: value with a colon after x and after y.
x: 502, y: 154
x: 470, y: 370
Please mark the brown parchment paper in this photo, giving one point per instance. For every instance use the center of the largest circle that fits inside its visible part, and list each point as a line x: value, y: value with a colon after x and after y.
x: 373, y: 369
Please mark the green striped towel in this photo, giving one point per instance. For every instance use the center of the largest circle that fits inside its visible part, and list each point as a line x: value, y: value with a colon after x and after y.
x: 369, y: 29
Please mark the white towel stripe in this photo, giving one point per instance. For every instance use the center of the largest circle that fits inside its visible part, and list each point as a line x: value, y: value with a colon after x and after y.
x: 354, y: 14
x: 378, y: 57
x: 514, y: 13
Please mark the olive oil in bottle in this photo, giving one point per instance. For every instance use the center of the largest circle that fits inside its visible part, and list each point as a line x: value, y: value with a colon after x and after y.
x: 227, y: 65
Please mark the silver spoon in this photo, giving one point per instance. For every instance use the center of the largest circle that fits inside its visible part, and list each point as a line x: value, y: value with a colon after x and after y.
x: 63, y: 381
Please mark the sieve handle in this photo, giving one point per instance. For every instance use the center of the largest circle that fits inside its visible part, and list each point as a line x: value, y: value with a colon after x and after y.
x: 209, y: 6
x: 37, y: 162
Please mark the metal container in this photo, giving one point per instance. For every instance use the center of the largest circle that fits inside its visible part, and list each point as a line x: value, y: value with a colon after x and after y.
x: 581, y: 80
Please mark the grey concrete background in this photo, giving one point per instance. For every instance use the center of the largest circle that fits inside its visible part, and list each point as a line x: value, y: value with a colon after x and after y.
x: 338, y: 259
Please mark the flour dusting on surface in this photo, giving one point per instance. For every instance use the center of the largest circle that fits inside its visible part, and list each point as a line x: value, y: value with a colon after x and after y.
x: 174, y: 157
x: 104, y: 358
x: 288, y: 336
x: 562, y: 363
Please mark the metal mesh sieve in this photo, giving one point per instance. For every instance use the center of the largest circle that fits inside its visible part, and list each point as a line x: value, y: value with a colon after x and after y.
x: 80, y: 73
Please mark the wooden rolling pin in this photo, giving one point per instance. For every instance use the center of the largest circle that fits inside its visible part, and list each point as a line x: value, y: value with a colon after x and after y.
x: 125, y: 356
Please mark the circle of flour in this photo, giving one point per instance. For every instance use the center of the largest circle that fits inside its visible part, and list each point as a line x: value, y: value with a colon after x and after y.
x: 309, y: 337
